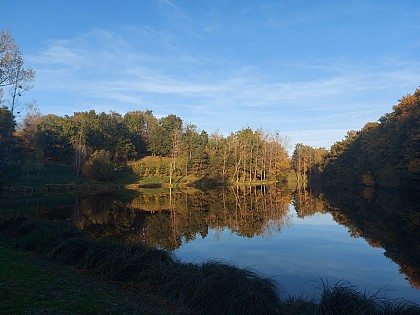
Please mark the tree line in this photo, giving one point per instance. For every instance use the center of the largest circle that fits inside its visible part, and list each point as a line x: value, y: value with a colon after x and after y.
x: 94, y: 143
x: 384, y: 153
x: 97, y: 142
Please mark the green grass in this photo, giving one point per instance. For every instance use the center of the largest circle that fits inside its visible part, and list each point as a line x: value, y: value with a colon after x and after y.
x: 153, y: 180
x: 125, y: 177
x: 30, y: 284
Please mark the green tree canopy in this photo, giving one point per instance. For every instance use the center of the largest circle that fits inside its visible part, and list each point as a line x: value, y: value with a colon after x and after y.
x: 385, y: 153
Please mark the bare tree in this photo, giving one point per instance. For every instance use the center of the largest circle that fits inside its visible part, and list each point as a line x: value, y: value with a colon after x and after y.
x: 14, y: 75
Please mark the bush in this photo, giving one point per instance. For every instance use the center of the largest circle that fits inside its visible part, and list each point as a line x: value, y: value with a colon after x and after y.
x: 99, y: 167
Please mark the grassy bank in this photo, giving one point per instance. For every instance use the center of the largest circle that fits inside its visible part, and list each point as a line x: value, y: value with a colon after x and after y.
x: 203, y: 288
x: 207, y: 288
x: 30, y: 284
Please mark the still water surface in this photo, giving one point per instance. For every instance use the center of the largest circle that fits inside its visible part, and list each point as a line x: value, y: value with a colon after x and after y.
x: 301, y: 253
x: 297, y: 238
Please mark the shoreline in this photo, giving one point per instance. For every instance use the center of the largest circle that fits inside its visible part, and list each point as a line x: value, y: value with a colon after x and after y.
x: 183, y: 283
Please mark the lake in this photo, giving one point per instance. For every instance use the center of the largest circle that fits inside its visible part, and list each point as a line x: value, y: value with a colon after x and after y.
x: 369, y: 238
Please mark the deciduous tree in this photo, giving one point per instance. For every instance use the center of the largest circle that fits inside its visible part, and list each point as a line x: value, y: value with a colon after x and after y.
x: 18, y: 79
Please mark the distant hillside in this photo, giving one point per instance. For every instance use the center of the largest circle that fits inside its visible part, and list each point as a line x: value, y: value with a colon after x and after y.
x: 384, y: 153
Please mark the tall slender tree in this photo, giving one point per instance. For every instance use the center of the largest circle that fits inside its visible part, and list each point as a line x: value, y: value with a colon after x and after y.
x: 17, y: 78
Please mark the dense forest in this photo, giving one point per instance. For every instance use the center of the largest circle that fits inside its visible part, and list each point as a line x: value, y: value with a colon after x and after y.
x: 384, y: 153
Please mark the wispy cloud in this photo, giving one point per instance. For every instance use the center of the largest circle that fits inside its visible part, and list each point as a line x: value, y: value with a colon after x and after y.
x: 175, y: 9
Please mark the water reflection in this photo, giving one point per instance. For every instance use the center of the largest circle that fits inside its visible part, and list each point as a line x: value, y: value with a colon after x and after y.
x: 171, y: 219
x: 307, y: 203
x: 384, y: 219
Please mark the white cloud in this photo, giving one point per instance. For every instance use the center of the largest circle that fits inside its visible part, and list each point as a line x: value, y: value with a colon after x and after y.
x: 57, y: 54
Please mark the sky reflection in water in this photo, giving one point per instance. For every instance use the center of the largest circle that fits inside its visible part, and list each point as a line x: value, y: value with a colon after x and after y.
x: 296, y: 244
x: 302, y: 253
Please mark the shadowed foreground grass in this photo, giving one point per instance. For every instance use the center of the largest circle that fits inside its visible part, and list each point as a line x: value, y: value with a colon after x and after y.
x: 209, y: 288
x: 34, y: 285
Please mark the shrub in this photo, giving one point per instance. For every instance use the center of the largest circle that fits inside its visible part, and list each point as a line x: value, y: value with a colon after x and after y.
x: 99, y: 167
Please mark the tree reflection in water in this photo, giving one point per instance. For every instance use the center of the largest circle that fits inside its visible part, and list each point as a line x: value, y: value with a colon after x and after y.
x: 386, y: 219
x: 168, y: 219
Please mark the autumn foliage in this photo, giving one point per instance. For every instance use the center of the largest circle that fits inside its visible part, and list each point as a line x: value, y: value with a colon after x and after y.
x: 384, y: 153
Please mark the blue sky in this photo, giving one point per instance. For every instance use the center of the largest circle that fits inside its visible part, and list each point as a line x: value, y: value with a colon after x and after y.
x: 310, y: 70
